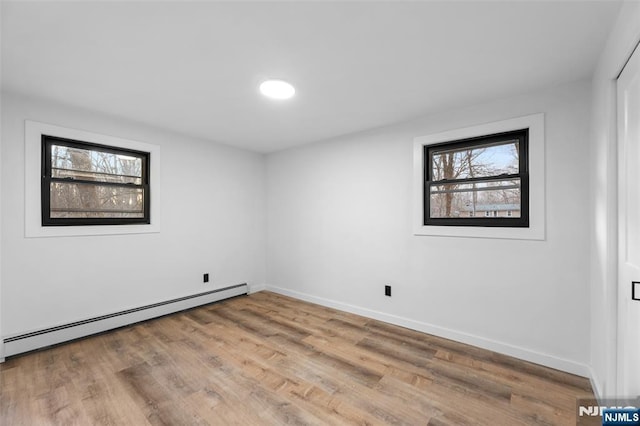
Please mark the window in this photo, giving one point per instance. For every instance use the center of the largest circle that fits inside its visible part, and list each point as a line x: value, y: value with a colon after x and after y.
x: 534, y: 181
x: 90, y: 184
x: 34, y: 162
x: 486, y: 173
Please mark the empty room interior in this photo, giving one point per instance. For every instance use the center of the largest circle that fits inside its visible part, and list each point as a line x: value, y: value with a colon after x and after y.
x: 329, y: 212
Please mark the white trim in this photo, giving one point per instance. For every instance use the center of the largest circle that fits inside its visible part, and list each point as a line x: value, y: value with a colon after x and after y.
x: 536, y: 229
x: 595, y: 384
x: 33, y: 153
x: 628, y: 374
x: 255, y: 288
x: 481, y: 342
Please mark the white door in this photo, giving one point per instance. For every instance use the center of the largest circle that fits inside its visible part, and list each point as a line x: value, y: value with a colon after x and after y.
x: 629, y: 227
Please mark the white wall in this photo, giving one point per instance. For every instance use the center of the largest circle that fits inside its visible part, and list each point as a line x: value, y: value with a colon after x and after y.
x: 1, y: 102
x: 623, y: 38
x: 212, y: 221
x: 339, y: 228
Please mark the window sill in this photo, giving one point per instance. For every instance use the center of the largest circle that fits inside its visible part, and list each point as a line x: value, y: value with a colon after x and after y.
x: 79, y: 231
x: 531, y: 233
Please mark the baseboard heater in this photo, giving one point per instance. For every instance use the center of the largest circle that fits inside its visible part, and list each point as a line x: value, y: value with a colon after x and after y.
x: 26, y: 342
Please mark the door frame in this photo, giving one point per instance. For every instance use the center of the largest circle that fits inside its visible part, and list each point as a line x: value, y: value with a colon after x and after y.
x: 623, y: 288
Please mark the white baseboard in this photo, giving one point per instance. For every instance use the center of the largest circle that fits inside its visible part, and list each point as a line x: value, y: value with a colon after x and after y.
x: 595, y: 384
x: 254, y: 288
x: 25, y: 342
x: 481, y: 342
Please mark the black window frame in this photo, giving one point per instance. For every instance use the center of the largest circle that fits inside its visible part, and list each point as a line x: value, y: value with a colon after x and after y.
x: 46, y: 179
x: 522, y: 135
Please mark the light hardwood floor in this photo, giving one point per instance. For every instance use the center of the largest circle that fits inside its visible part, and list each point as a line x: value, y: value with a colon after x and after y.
x: 267, y: 359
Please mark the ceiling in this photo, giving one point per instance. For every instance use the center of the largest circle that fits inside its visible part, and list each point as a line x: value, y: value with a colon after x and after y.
x: 194, y: 67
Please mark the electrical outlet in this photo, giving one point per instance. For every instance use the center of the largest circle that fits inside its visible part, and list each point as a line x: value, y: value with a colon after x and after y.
x: 387, y: 290
x: 205, y: 278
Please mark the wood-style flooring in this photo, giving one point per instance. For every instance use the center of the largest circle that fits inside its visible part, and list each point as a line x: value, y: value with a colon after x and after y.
x: 267, y: 359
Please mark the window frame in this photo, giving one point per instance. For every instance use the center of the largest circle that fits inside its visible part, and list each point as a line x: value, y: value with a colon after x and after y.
x: 47, y: 179
x: 492, y: 219
x: 33, y: 131
x: 537, y: 182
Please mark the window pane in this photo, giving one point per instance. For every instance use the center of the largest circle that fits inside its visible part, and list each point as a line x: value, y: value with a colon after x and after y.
x: 87, y: 164
x: 474, y: 162
x: 492, y: 199
x: 77, y: 200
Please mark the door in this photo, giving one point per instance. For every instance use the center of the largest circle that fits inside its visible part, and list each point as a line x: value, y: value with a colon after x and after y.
x: 628, y: 88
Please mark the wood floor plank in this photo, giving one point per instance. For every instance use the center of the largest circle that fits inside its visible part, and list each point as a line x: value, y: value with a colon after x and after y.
x: 270, y: 359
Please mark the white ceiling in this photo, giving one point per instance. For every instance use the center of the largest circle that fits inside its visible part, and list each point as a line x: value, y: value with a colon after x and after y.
x: 194, y: 67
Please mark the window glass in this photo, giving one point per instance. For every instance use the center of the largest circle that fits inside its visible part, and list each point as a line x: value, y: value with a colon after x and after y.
x: 479, y: 161
x: 478, y: 182
x: 99, y: 166
x: 456, y: 200
x: 88, y: 184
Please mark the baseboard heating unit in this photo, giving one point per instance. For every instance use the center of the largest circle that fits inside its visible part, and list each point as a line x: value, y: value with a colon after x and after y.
x: 26, y: 342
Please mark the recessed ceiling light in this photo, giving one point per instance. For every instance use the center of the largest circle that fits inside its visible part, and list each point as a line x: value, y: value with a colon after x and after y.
x: 277, y: 89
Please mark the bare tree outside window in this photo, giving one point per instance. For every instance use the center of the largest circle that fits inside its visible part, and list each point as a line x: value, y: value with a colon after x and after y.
x: 481, y: 178
x: 93, y: 184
